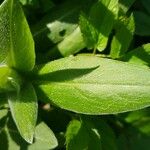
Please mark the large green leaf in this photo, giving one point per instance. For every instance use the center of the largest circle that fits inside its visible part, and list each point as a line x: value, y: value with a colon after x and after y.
x: 93, y: 85
x: 23, y: 106
x: 16, y: 43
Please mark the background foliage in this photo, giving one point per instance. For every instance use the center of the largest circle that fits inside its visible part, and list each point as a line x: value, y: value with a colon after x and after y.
x: 64, y: 94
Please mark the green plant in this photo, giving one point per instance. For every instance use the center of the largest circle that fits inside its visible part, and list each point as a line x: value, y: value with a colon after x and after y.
x: 89, y: 90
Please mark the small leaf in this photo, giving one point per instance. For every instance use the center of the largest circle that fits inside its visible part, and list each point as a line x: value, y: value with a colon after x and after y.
x: 140, y: 55
x: 97, y: 27
x: 124, y: 35
x: 81, y: 136
x: 23, y: 106
x: 90, y: 34
x: 103, y: 86
x: 70, y: 45
x: 44, y: 138
x: 108, y: 139
x: 16, y: 43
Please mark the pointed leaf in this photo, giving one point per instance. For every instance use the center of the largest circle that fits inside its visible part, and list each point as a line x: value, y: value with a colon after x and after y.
x: 103, y: 86
x: 23, y: 106
x: 16, y: 43
x: 44, y: 138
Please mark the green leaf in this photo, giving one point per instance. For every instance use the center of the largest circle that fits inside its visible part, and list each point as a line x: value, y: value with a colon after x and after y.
x: 89, y: 33
x: 108, y: 139
x: 81, y: 136
x: 140, y: 55
x: 98, y: 26
x: 123, y: 37
x: 16, y: 44
x: 15, y: 141
x: 9, y: 79
x: 108, y: 12
x: 103, y: 86
x: 44, y: 138
x: 70, y: 45
x: 142, y: 23
x: 23, y: 106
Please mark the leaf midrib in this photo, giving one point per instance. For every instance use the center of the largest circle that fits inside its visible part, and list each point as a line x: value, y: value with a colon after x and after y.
x: 89, y: 83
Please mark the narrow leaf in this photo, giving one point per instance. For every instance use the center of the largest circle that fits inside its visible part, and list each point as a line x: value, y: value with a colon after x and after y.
x: 103, y: 86
x: 16, y: 43
x: 23, y: 106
